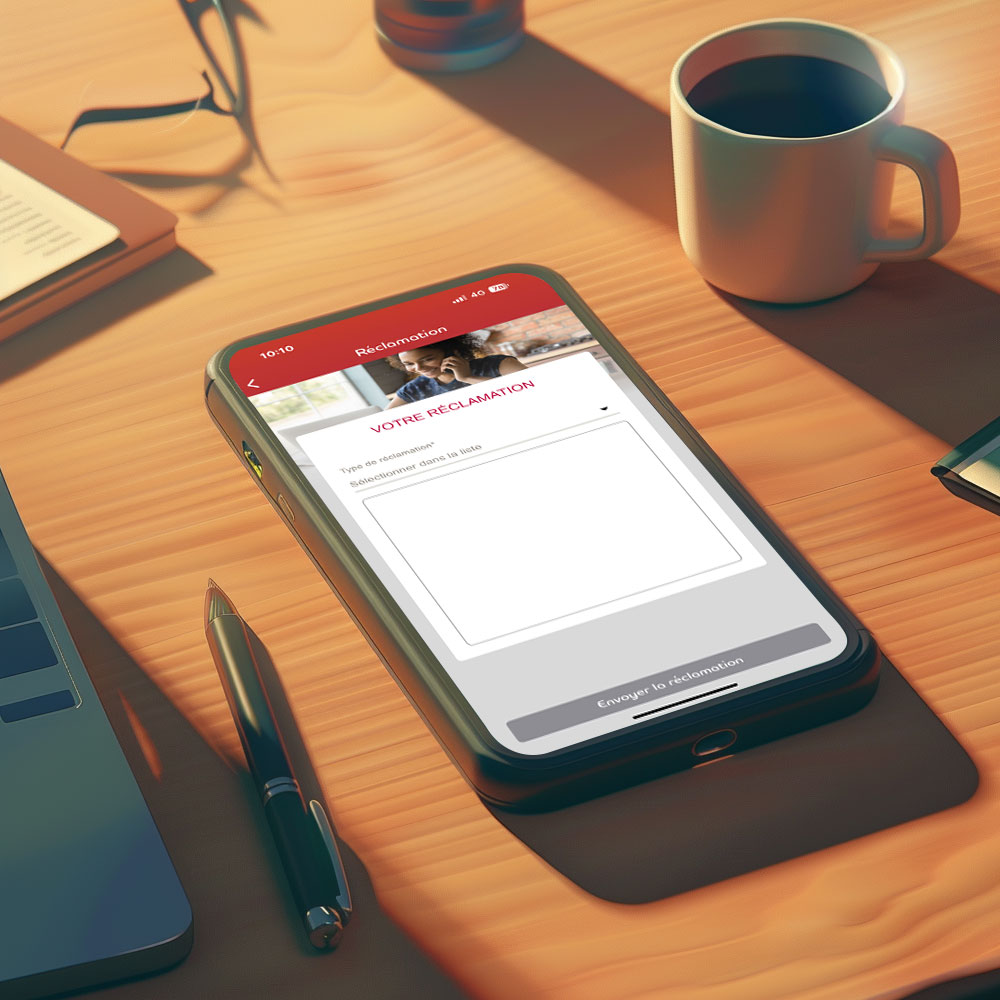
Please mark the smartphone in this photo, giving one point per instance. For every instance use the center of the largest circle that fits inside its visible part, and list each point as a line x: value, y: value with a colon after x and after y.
x: 564, y: 579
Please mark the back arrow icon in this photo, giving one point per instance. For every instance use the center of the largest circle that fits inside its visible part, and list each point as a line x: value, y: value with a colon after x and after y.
x: 252, y: 384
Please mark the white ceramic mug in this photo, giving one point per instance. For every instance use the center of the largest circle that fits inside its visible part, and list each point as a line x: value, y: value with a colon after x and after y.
x: 800, y: 219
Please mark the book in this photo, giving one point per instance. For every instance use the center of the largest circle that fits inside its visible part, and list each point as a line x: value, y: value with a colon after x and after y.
x: 66, y: 230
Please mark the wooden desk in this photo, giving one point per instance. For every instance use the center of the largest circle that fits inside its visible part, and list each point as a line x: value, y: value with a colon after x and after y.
x: 380, y: 181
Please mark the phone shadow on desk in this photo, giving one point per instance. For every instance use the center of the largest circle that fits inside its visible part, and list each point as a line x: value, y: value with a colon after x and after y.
x: 248, y: 936
x: 892, y: 762
x: 919, y: 337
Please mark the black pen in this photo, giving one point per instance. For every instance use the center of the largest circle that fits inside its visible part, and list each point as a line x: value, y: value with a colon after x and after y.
x: 302, y: 833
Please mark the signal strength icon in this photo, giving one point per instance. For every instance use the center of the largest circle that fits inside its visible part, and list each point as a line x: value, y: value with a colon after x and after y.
x: 461, y: 298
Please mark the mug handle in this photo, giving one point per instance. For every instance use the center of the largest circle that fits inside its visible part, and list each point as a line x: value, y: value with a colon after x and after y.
x: 934, y: 164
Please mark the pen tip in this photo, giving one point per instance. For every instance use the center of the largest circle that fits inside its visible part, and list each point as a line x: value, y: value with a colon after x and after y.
x: 324, y: 928
x: 216, y: 602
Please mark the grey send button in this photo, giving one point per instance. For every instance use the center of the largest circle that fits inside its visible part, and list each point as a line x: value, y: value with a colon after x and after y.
x: 663, y: 684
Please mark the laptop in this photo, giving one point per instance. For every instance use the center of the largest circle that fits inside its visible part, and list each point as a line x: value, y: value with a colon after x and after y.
x: 88, y: 893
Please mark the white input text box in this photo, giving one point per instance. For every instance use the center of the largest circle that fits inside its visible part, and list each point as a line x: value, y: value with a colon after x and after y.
x: 608, y: 522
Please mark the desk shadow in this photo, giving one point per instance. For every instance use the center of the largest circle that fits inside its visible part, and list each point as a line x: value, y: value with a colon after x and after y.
x: 47, y: 338
x: 983, y: 986
x: 248, y: 937
x: 579, y: 118
x: 919, y: 337
x: 892, y: 762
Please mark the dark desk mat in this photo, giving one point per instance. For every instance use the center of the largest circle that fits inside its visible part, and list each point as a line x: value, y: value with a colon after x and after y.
x: 892, y: 762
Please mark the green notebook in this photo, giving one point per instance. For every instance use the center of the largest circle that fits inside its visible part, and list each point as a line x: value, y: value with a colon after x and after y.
x: 972, y: 469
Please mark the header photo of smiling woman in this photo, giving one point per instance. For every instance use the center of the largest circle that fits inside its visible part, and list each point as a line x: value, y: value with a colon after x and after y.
x: 450, y: 364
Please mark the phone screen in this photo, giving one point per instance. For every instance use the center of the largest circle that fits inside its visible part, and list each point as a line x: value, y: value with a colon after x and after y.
x: 565, y: 556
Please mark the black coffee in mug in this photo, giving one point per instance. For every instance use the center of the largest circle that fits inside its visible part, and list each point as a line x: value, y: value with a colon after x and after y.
x: 788, y: 96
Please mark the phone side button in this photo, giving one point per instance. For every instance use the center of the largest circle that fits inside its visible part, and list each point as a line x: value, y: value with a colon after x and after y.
x: 714, y: 742
x: 285, y: 507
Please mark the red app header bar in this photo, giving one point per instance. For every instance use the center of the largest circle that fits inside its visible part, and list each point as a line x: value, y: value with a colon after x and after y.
x: 383, y: 332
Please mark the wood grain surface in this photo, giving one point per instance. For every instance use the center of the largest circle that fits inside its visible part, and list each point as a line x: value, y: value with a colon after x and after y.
x: 369, y: 180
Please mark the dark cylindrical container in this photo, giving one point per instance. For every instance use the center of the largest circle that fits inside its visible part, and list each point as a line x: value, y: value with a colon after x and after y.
x: 449, y: 35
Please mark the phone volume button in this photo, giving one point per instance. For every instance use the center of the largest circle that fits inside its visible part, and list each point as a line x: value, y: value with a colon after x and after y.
x: 285, y: 507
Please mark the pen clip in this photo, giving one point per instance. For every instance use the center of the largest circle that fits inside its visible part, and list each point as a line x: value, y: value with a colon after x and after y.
x: 326, y: 833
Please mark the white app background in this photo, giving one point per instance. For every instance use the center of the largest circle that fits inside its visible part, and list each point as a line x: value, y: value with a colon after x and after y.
x: 597, y: 513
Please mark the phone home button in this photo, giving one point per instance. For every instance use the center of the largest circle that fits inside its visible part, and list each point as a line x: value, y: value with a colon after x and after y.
x: 713, y: 743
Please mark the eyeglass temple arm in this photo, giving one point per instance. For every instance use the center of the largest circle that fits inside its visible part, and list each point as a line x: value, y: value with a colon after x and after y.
x: 104, y: 115
x: 193, y: 10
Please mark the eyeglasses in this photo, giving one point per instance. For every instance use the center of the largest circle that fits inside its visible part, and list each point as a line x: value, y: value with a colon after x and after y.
x: 226, y: 95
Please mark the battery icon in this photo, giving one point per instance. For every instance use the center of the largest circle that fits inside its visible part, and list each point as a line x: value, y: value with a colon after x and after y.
x: 499, y: 288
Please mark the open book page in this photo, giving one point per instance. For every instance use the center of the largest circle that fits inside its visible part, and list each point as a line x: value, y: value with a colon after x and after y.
x: 41, y: 231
